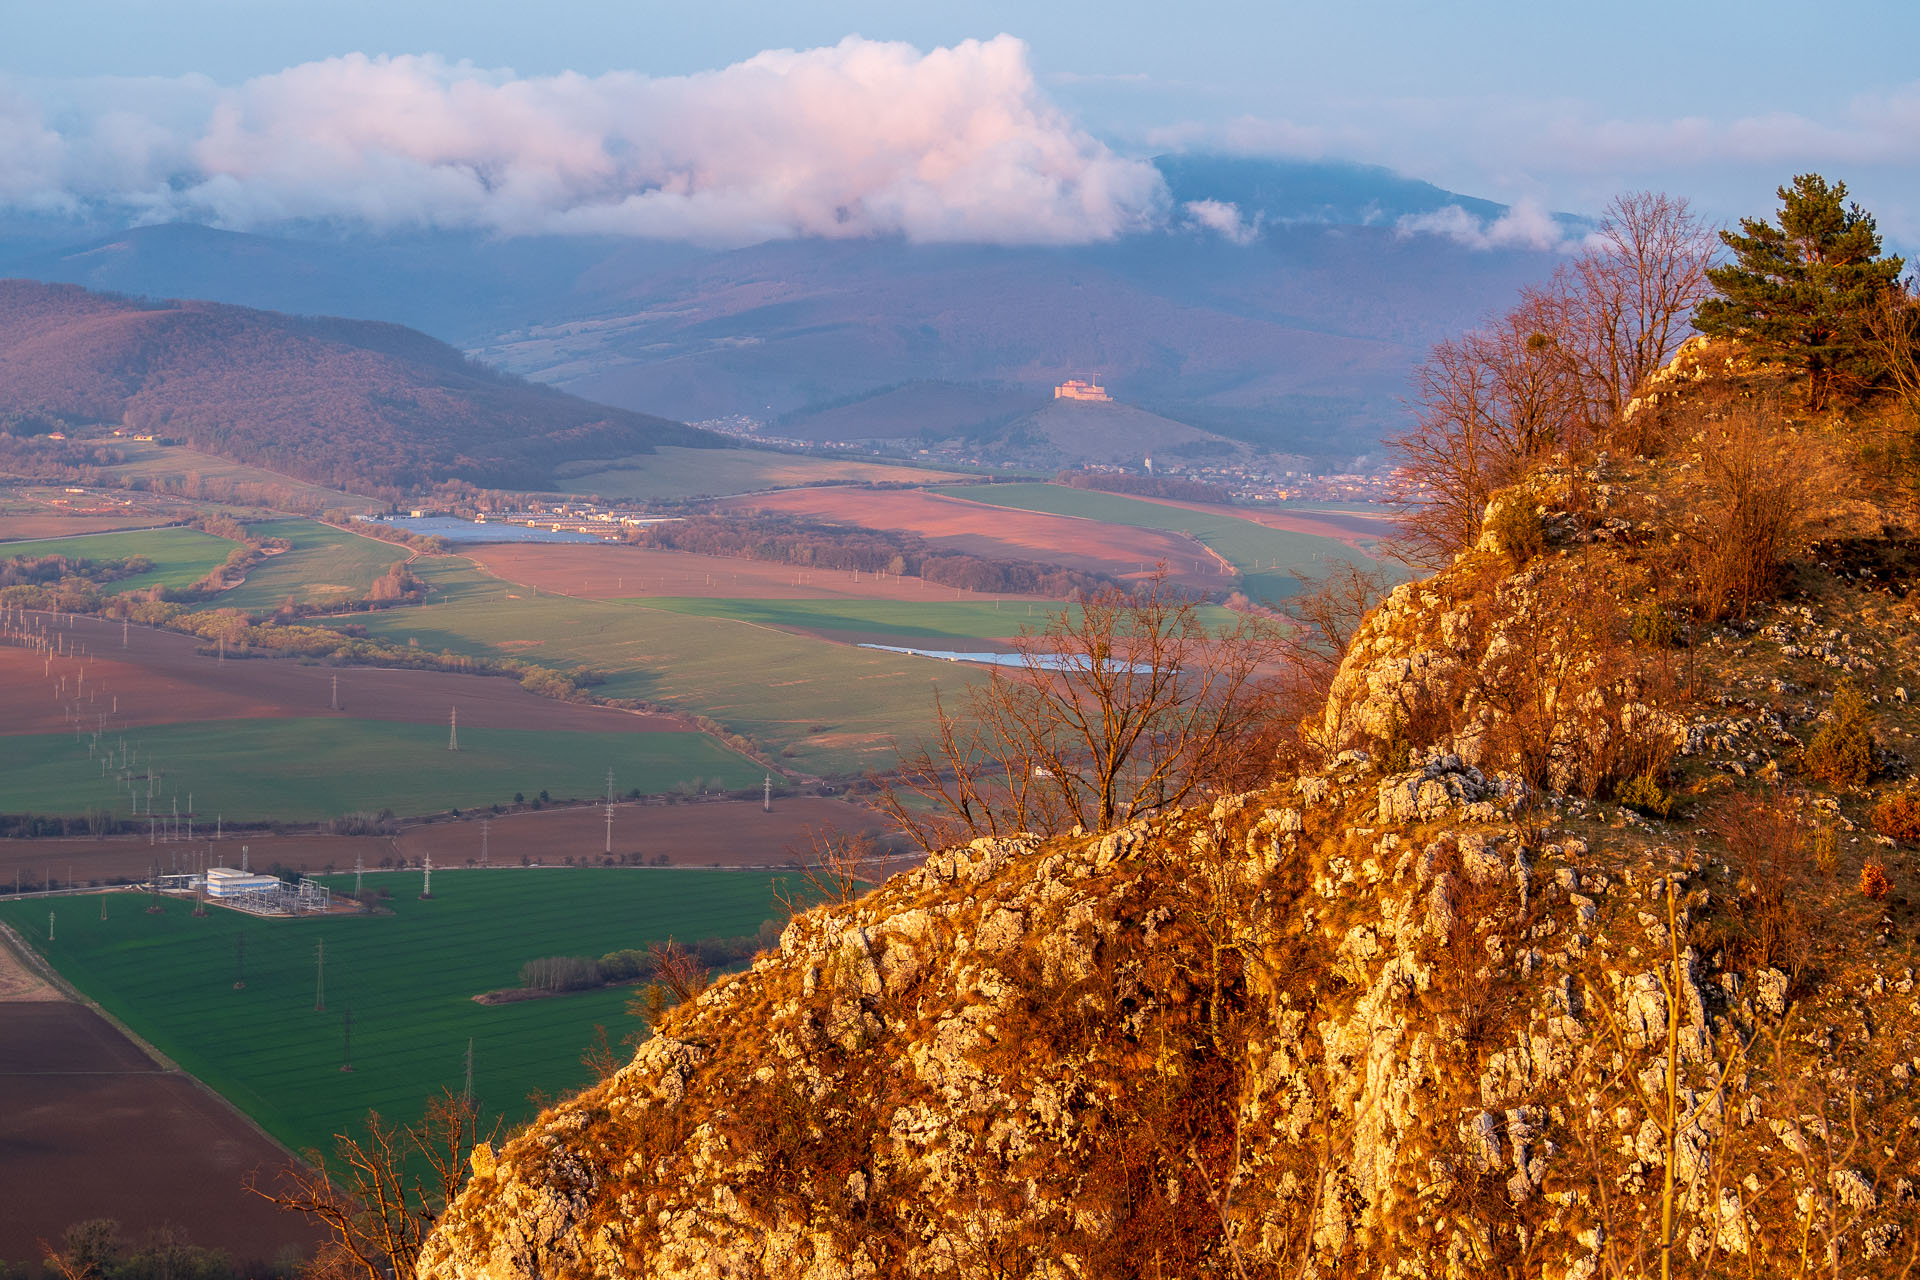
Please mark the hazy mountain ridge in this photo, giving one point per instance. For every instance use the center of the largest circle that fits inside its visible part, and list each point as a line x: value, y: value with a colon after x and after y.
x: 1301, y: 338
x: 340, y: 402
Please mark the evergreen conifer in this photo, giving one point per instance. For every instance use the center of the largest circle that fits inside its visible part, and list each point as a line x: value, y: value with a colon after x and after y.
x: 1800, y: 292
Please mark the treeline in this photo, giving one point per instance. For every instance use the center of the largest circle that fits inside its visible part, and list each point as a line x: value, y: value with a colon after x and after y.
x: 37, y: 571
x: 814, y: 545
x: 95, y: 1248
x: 1174, y: 488
x: 96, y: 821
x: 583, y: 973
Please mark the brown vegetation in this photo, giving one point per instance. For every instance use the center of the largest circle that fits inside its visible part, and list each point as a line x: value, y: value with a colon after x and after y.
x: 1127, y: 708
x: 815, y: 546
x: 977, y: 529
x: 368, y: 1194
x: 1558, y: 370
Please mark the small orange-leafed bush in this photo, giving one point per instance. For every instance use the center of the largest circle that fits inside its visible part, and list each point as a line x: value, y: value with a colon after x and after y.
x: 1873, y: 880
x: 1772, y: 927
x: 1898, y: 816
x: 1841, y: 754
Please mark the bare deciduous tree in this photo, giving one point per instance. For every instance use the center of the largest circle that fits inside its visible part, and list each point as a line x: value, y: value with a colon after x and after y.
x: 376, y: 1205
x: 1626, y: 300
x: 1125, y: 707
x: 1558, y: 368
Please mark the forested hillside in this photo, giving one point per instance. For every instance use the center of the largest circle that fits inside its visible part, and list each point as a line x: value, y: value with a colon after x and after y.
x: 349, y: 403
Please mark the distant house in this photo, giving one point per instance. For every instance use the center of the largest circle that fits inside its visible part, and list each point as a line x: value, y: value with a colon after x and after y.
x: 1074, y: 389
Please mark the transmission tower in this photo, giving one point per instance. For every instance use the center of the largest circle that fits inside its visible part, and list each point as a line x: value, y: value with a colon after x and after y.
x: 359, y: 870
x: 453, y: 728
x: 609, y: 847
x: 426, y: 882
x: 333, y: 703
x: 766, y: 796
x: 485, y: 823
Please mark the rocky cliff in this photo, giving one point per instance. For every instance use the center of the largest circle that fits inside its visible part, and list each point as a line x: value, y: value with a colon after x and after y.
x: 1563, y: 943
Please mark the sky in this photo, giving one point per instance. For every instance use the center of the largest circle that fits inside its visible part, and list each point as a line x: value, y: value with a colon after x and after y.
x: 938, y: 121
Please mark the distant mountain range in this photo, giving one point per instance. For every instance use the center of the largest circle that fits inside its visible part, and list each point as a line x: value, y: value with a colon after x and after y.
x: 351, y: 403
x: 1296, y: 332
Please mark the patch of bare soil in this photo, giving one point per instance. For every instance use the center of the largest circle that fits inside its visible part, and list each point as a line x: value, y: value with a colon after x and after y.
x: 161, y: 677
x: 93, y: 1128
x: 976, y: 528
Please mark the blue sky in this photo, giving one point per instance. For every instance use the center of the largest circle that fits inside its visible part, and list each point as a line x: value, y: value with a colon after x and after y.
x: 1556, y: 104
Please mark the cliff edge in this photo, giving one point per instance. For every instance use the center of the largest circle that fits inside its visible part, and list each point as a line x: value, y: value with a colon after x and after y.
x: 1572, y: 935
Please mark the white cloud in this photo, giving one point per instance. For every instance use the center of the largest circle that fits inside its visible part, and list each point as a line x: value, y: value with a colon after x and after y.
x: 1222, y: 217
x: 862, y: 138
x: 1524, y: 226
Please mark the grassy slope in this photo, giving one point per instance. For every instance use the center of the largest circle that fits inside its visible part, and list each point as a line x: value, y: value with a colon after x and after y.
x: 1263, y: 556
x: 409, y: 978
x: 161, y: 464
x: 770, y: 684
x: 326, y: 566
x: 303, y: 770
x: 180, y: 557
x: 671, y: 473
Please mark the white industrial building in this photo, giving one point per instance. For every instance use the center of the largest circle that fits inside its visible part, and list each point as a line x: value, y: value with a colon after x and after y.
x: 265, y: 895
x: 227, y: 882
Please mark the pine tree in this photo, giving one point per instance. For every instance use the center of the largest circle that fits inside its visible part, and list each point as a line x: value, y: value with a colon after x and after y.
x: 1800, y: 293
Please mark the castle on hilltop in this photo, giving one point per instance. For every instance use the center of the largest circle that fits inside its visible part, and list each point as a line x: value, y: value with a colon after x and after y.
x: 1074, y: 389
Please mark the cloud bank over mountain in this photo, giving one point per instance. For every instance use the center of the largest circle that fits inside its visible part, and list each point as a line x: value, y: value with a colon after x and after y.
x: 861, y: 138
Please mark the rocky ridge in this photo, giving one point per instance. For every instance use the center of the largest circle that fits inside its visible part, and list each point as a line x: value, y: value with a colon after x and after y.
x: 1443, y: 1007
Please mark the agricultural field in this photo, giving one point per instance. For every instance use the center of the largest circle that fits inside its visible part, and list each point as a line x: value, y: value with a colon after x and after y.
x: 879, y: 621
x: 408, y: 976
x: 673, y: 474
x: 610, y: 571
x: 50, y: 511
x: 73, y: 1082
x: 313, y: 769
x: 181, y: 557
x: 166, y: 468
x: 710, y: 832
x: 327, y: 566
x: 827, y: 708
x: 1263, y: 556
x: 143, y: 676
x: 951, y: 521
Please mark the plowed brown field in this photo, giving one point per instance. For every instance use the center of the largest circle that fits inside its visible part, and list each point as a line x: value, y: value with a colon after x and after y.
x: 615, y: 572
x: 729, y: 833
x: 162, y: 678
x: 978, y: 529
x: 93, y: 1128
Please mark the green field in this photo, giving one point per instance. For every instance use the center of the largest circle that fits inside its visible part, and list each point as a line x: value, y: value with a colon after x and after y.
x: 325, y: 566
x: 1264, y: 557
x: 906, y: 619
x: 830, y: 708
x: 671, y: 474
x: 308, y: 770
x: 408, y: 977
x: 181, y: 557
